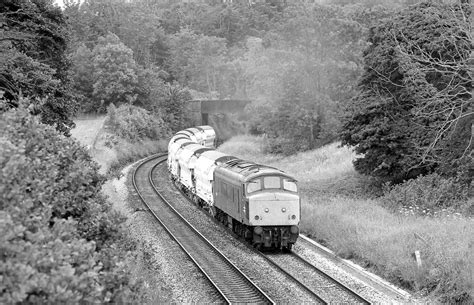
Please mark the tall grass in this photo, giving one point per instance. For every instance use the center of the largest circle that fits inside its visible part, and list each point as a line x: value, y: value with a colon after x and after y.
x: 339, y: 212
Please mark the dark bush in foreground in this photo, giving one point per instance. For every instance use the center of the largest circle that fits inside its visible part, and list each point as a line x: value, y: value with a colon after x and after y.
x: 59, y: 243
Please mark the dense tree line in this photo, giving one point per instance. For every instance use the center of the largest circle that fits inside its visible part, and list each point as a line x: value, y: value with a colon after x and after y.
x: 310, y: 69
x: 273, y: 53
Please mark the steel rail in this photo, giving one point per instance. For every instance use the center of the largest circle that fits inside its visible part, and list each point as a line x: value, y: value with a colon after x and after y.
x: 357, y: 271
x: 332, y: 279
x: 337, y: 284
x: 254, y: 290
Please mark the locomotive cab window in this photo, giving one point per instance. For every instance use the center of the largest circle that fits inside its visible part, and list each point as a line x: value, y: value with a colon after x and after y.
x: 253, y: 186
x: 289, y: 185
x: 271, y: 182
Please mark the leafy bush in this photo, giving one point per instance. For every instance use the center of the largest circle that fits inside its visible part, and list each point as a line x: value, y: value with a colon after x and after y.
x: 58, y: 241
x: 114, y: 72
x: 135, y: 124
x: 427, y: 194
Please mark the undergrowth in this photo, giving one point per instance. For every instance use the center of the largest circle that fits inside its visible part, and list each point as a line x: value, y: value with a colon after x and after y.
x: 430, y: 195
x: 133, y: 133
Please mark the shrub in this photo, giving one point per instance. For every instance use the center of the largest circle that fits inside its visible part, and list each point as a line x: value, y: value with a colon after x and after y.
x: 135, y: 124
x: 427, y: 194
x: 56, y: 232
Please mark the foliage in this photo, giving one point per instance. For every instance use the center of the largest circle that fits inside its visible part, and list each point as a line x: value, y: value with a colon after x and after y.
x: 135, y: 124
x: 151, y: 88
x: 414, y: 112
x: 300, y: 72
x: 59, y: 242
x: 115, y: 78
x: 33, y: 41
x: 136, y: 23
x: 428, y: 195
x: 303, y: 120
x: 173, y: 108
x: 82, y: 69
x: 196, y: 60
x: 231, y: 21
x: 300, y: 117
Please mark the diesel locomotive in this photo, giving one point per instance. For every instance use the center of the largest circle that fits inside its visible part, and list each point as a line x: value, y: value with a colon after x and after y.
x: 258, y: 202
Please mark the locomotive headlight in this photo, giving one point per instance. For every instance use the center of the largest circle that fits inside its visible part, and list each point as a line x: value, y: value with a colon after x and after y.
x: 294, y: 229
x: 283, y: 210
x: 266, y: 210
x: 293, y: 217
x: 257, y: 217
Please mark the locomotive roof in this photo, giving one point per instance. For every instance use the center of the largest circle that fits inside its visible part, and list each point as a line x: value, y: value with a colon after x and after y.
x: 248, y: 170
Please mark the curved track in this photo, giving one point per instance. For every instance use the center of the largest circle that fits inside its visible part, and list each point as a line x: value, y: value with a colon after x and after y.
x: 230, y: 283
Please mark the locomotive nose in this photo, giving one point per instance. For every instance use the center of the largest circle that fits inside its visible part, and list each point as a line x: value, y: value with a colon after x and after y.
x: 274, y: 209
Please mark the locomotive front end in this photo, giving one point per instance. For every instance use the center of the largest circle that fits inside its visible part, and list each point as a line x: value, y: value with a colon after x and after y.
x: 273, y: 211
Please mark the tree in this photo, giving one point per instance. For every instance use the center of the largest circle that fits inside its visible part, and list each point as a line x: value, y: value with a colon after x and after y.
x: 414, y: 112
x: 173, y: 107
x: 83, y: 83
x: 33, y: 41
x: 115, y: 78
x: 197, y: 61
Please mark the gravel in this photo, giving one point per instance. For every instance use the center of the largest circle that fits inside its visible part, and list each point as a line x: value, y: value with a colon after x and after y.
x: 169, y: 274
x: 329, y: 267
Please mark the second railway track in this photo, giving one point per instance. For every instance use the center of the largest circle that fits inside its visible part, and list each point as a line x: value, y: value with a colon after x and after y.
x: 232, y: 285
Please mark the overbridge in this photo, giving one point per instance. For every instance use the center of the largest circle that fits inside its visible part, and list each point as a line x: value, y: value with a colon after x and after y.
x: 205, y: 107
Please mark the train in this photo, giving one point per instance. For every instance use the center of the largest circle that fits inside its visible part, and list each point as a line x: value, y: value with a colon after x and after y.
x: 257, y: 202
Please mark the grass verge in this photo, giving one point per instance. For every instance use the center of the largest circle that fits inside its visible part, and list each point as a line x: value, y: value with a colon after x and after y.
x: 341, y: 210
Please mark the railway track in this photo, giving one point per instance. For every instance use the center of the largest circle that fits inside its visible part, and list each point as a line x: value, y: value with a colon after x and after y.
x: 310, y: 278
x: 328, y: 289
x: 232, y: 286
